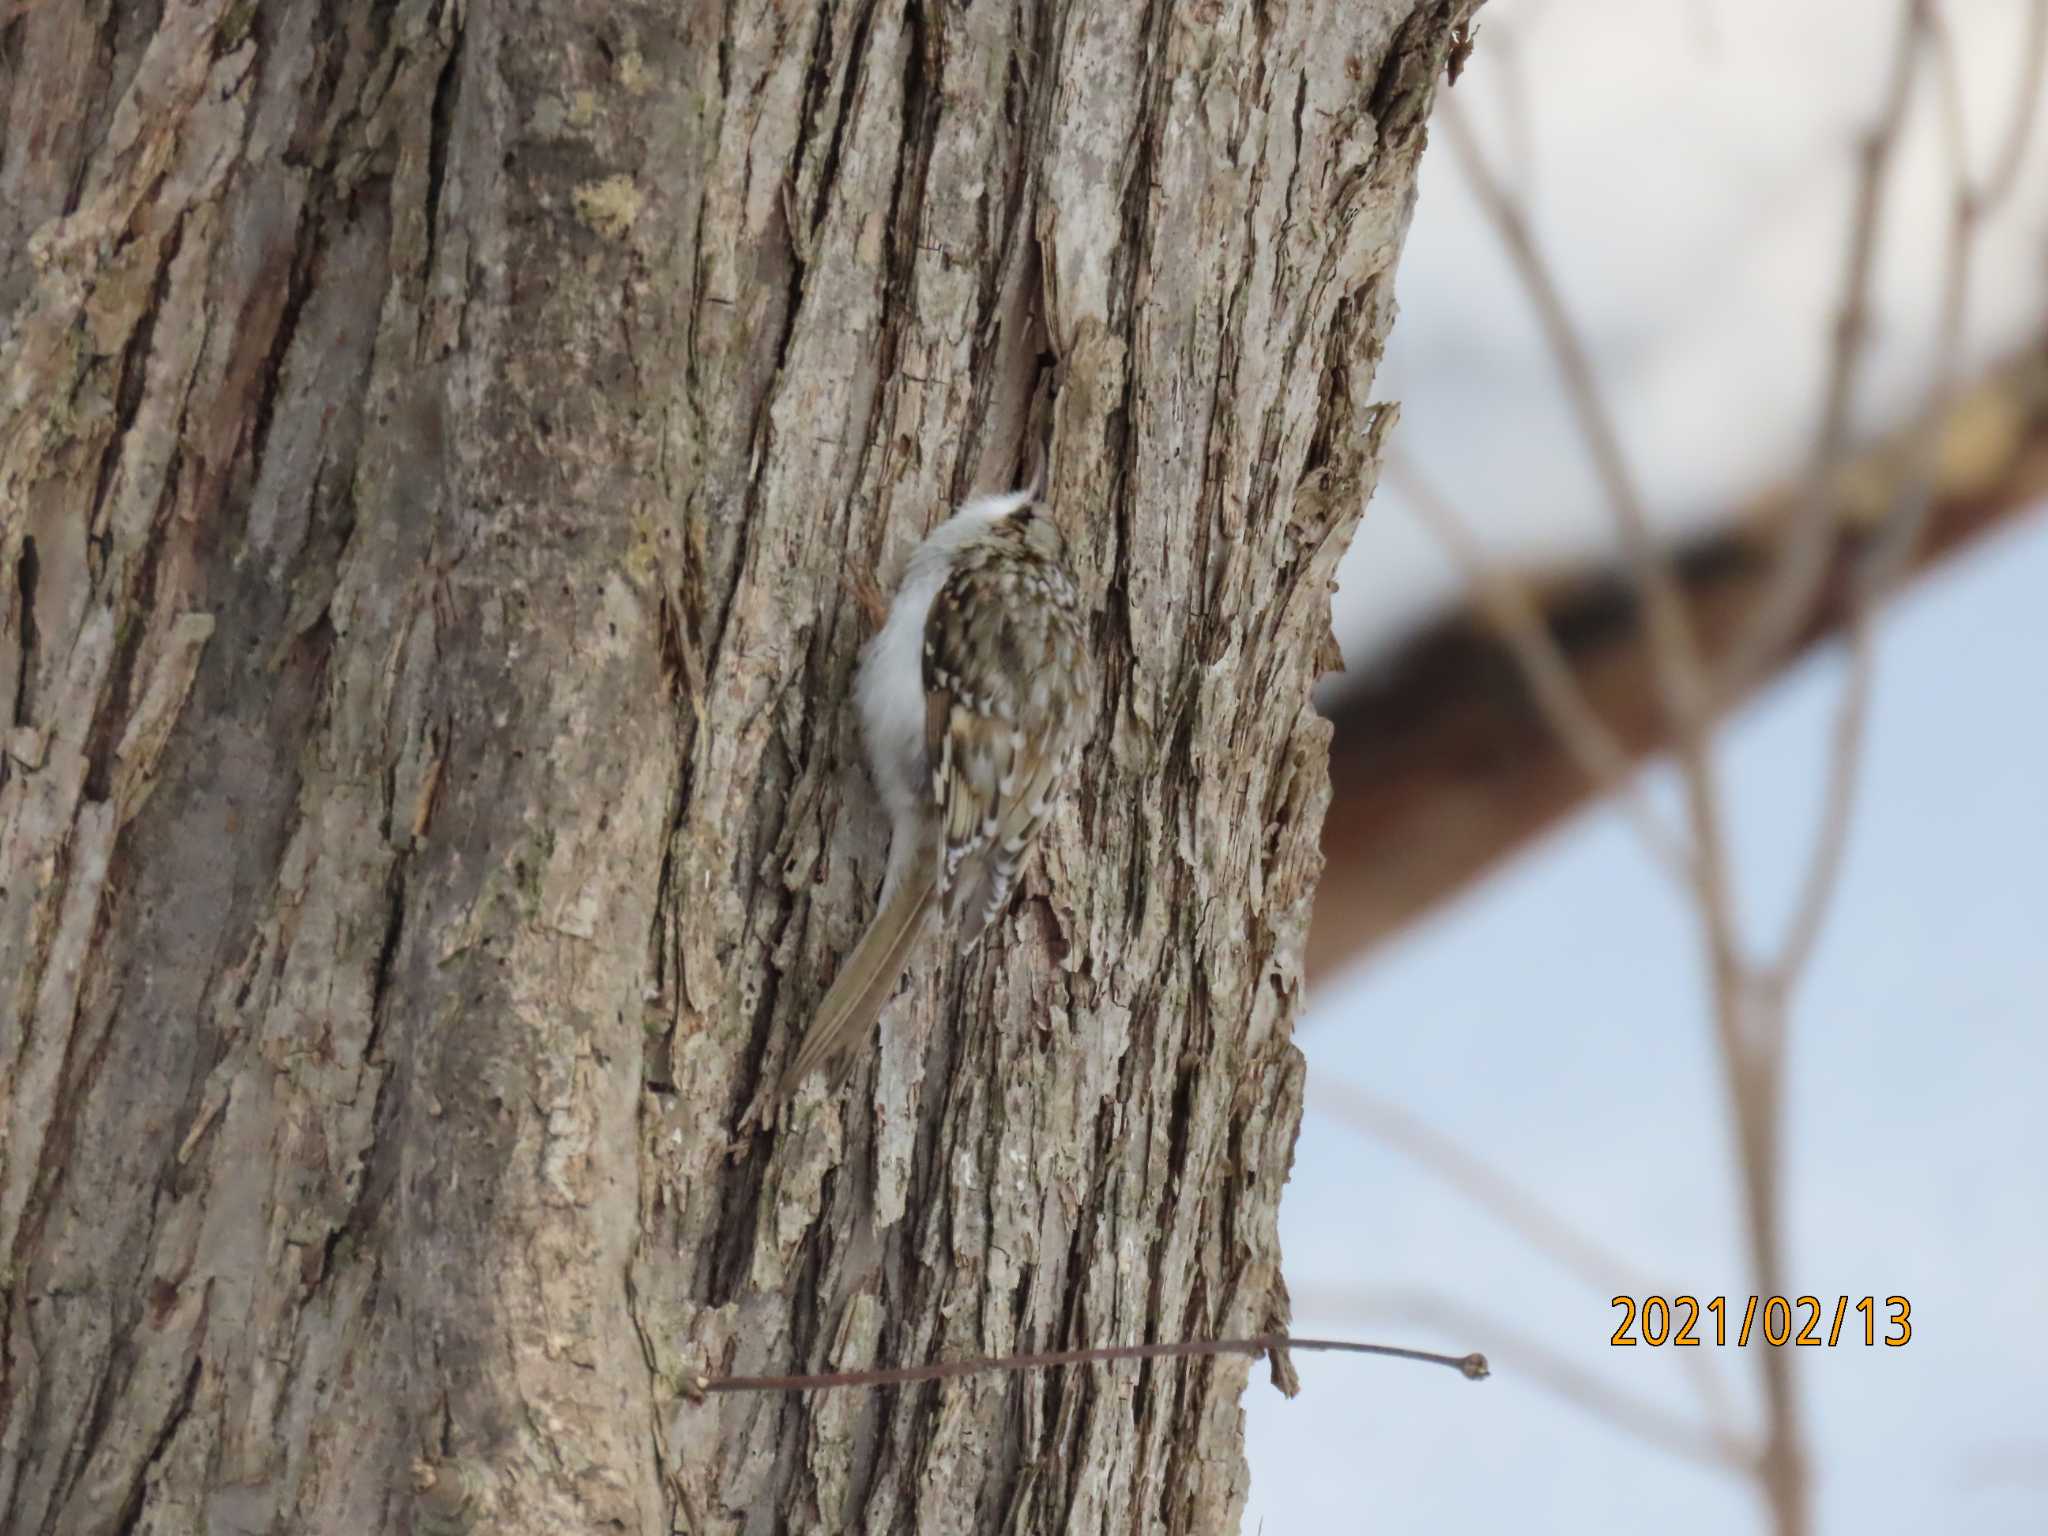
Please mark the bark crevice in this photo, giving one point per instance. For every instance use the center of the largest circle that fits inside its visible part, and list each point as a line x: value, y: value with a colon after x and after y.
x: 443, y: 451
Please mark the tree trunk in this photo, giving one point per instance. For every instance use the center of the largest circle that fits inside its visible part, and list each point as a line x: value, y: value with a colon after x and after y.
x: 441, y: 448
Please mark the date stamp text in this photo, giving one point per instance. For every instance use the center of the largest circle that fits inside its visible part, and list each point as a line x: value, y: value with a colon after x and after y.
x: 1773, y: 1320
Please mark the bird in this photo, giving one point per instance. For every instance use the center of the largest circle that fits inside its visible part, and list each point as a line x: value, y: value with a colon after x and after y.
x: 975, y: 700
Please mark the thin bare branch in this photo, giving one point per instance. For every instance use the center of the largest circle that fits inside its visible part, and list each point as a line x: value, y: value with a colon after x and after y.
x: 1675, y: 659
x: 1948, y: 99
x: 1802, y: 567
x: 1472, y: 1366
x: 1509, y: 66
x: 1514, y: 1206
x: 1545, y: 669
x: 1831, y: 841
x: 1704, y: 1445
x: 2012, y: 151
x: 1758, y: 1076
x: 1670, y: 629
x: 1750, y: 1001
x: 1891, y: 554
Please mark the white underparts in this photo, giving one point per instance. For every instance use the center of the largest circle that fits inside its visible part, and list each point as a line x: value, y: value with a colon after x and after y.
x: 890, y: 689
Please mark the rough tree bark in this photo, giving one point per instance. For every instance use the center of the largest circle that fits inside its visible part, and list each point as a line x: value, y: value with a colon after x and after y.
x: 438, y: 446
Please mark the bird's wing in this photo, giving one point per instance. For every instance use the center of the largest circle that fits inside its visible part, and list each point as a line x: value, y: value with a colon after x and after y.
x: 999, y: 732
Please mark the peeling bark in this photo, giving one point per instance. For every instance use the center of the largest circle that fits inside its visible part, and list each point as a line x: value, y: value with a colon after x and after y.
x: 440, y: 443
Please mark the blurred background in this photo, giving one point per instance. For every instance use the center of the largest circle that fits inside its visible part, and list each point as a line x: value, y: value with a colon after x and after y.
x: 1685, y: 925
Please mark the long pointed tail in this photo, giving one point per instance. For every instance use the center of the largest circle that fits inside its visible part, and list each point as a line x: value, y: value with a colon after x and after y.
x: 868, y: 977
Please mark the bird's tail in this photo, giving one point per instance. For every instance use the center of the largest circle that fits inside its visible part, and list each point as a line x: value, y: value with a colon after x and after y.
x: 870, y: 973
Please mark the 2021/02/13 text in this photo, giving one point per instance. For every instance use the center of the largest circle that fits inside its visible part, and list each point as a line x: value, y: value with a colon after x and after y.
x: 1686, y: 1320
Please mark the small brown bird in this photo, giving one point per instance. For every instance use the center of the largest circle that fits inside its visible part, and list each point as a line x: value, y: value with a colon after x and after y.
x: 975, y: 700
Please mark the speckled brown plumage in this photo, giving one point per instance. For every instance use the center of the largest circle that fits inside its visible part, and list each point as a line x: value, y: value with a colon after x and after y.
x: 976, y: 697
x: 1007, y: 676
